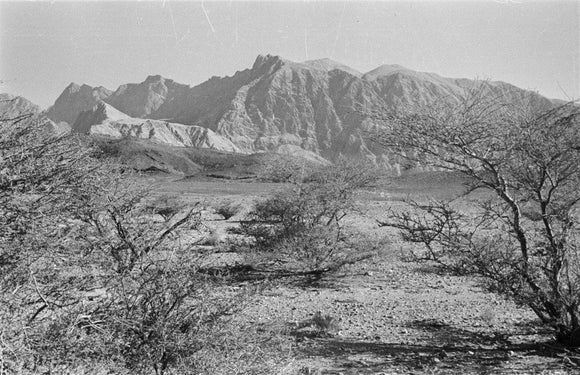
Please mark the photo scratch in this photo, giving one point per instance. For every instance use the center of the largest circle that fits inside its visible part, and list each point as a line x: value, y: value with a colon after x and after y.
x: 173, y: 23
x: 207, y: 17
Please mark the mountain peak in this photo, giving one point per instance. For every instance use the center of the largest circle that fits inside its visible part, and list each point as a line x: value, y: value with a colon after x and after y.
x: 263, y: 60
x: 385, y: 70
x: 395, y: 66
x: 154, y: 78
x: 329, y: 64
x: 87, y: 88
x: 74, y: 99
x: 12, y: 106
x: 72, y: 87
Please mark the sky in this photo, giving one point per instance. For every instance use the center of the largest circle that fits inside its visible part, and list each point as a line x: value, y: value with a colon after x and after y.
x: 44, y: 46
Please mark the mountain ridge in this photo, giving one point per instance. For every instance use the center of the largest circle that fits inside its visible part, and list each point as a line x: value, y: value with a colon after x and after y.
x: 329, y: 64
x: 316, y: 105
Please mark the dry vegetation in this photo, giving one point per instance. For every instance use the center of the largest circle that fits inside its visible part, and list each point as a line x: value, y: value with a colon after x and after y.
x: 99, y: 275
x: 523, y: 239
x: 97, y: 278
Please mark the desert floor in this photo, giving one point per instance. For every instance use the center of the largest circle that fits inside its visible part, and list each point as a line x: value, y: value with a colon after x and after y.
x: 393, y: 316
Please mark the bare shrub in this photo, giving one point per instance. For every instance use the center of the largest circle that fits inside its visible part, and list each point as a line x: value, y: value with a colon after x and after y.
x: 228, y: 209
x: 318, y: 325
x: 302, y: 224
x: 90, y: 276
x: 285, y: 168
x: 166, y: 206
x: 325, y: 324
x: 523, y: 239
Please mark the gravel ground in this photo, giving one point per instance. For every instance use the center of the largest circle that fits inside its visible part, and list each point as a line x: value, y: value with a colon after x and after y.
x: 391, y: 316
x: 396, y: 317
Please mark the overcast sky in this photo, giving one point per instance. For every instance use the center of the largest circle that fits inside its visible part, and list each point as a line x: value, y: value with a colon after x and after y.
x: 44, y: 46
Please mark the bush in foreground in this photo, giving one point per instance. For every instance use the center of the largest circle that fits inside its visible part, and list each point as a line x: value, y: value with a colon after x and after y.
x: 92, y: 279
x: 524, y: 238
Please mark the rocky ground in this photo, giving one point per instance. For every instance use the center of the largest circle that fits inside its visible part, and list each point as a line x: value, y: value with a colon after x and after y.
x: 389, y: 316
x: 398, y: 318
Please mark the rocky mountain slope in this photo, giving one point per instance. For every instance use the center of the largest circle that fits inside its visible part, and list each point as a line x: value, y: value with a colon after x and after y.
x: 154, y: 98
x: 75, y: 99
x: 105, y: 120
x: 317, y: 106
x: 329, y: 65
x: 13, y: 107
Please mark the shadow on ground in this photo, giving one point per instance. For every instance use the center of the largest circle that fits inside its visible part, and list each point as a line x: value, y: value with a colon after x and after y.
x: 449, y: 351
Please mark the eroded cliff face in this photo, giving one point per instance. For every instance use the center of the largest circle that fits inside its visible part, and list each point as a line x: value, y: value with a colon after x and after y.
x: 319, y: 106
x: 104, y: 120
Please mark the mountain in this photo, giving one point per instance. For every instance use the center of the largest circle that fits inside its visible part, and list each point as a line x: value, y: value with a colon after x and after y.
x: 388, y: 70
x: 12, y: 107
x: 105, y: 120
x: 154, y: 98
x: 316, y: 107
x: 75, y: 99
x: 328, y: 65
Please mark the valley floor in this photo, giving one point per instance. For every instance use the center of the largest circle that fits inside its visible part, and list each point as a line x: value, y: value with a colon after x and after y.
x: 397, y: 318
x: 393, y: 316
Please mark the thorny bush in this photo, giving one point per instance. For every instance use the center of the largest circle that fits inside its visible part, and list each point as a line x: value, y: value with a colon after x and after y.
x: 524, y: 237
x: 90, y: 276
x: 301, y: 225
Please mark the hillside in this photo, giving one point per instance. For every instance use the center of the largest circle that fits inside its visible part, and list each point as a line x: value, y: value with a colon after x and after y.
x: 318, y: 106
x: 105, y: 120
x: 74, y: 100
x: 14, y: 107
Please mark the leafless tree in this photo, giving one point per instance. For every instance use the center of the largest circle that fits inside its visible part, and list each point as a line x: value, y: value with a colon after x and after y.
x: 523, y: 238
x: 88, y: 272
